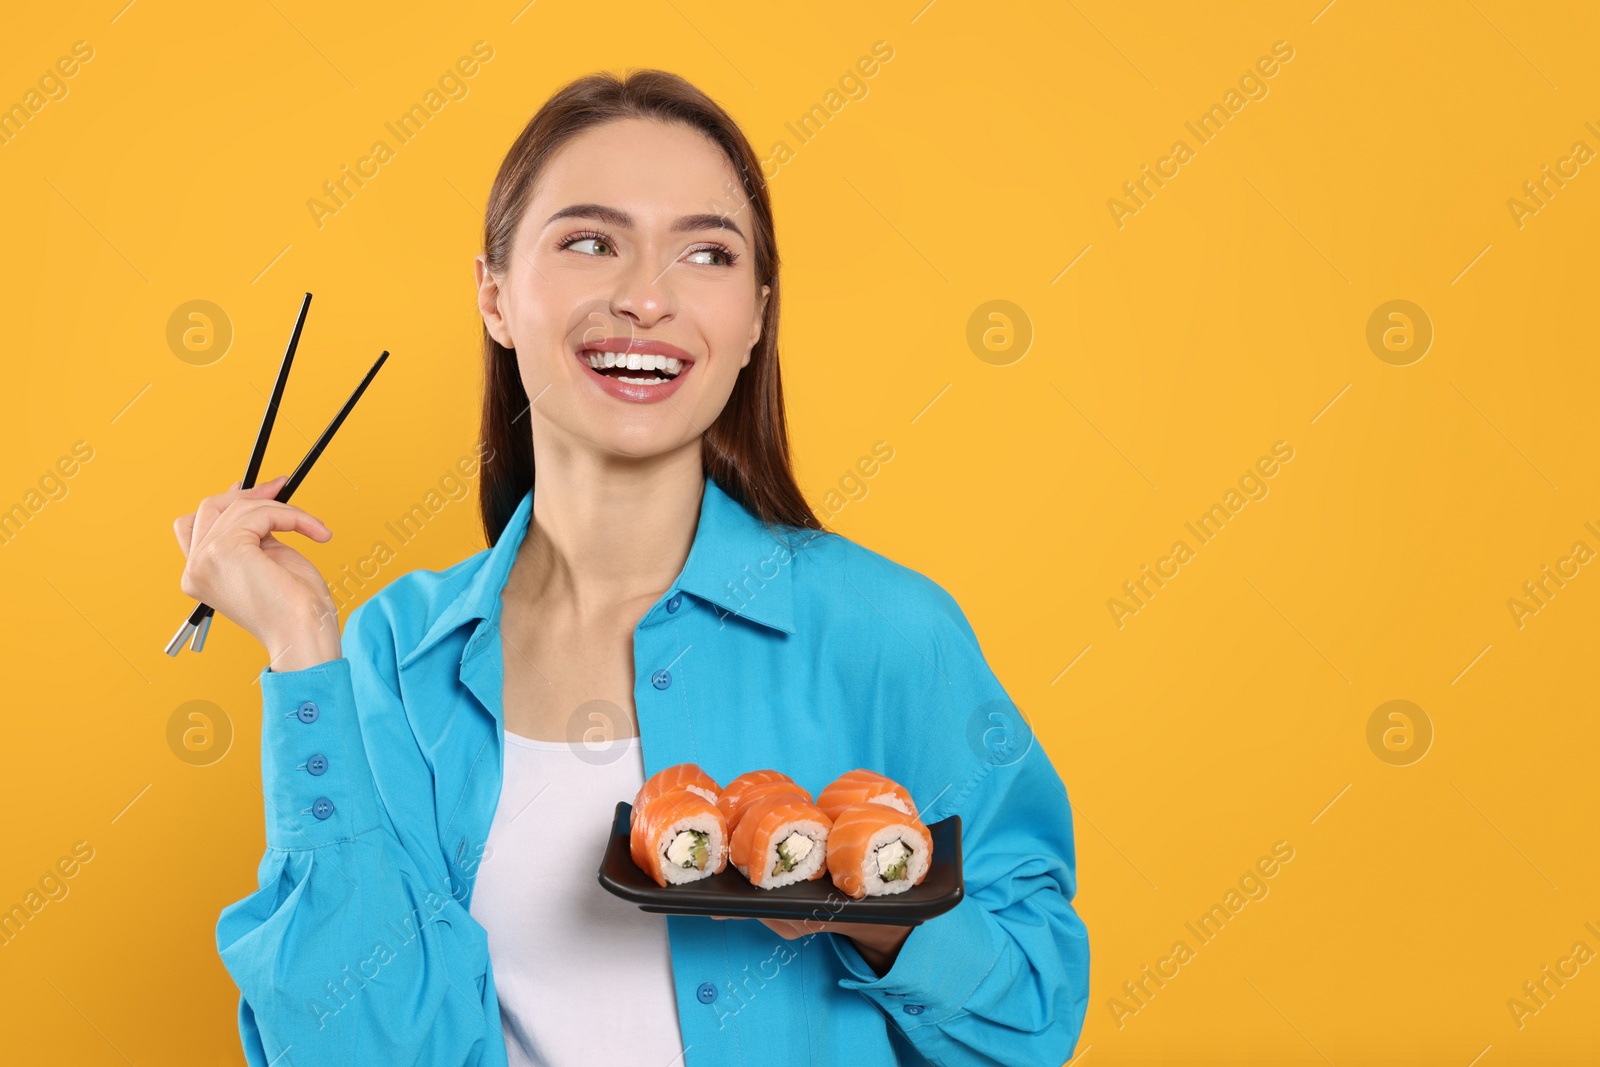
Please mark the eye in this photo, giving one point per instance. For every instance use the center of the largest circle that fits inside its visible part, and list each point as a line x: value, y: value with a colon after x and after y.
x: 588, y: 238
x: 728, y: 256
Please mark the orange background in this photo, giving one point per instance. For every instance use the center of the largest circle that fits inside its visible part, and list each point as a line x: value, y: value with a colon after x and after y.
x: 1169, y: 348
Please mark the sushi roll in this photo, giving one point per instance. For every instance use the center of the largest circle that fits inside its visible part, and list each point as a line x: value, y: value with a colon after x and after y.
x: 781, y: 839
x: 679, y: 837
x: 875, y: 849
x: 734, y: 811
x: 678, y: 776
x: 861, y: 784
x: 734, y: 793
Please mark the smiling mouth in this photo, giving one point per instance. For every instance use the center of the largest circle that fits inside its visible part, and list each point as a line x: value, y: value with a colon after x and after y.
x: 634, y: 368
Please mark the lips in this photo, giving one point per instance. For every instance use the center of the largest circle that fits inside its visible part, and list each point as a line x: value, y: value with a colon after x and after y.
x: 638, y: 392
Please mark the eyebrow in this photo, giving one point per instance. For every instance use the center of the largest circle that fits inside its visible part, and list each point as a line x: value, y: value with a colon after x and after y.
x: 616, y: 217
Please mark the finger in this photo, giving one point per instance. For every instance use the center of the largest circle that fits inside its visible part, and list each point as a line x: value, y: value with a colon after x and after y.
x: 267, y: 490
x: 212, y: 506
x: 184, y: 530
x: 783, y: 928
x: 262, y: 517
x: 262, y: 488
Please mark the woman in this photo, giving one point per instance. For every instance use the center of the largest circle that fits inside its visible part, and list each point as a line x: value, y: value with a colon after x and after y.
x: 440, y: 778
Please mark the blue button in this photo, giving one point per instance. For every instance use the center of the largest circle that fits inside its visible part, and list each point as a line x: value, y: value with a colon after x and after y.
x: 706, y: 993
x: 672, y: 605
x: 911, y: 1009
x: 322, y: 807
x: 317, y: 764
x: 661, y: 679
x: 308, y: 711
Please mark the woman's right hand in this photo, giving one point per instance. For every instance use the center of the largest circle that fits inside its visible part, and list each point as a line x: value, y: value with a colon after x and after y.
x: 236, y: 565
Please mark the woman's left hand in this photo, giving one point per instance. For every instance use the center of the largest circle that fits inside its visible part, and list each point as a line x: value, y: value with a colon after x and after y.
x: 878, y: 943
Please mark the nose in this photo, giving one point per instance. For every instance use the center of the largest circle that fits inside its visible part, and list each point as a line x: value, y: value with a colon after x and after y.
x: 644, y: 293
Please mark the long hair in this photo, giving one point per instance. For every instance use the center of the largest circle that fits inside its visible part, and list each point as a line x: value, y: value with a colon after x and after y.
x: 746, y: 450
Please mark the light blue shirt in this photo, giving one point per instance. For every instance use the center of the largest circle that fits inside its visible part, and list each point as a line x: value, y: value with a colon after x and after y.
x: 782, y: 648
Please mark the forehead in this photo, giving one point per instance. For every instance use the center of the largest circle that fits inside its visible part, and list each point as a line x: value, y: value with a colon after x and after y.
x: 648, y: 168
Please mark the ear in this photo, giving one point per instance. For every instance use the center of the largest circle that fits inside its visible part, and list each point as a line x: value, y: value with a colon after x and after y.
x: 755, y: 327
x: 489, y: 298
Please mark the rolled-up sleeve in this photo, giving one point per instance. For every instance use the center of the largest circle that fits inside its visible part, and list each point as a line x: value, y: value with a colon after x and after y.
x: 1003, y: 977
x: 347, y: 952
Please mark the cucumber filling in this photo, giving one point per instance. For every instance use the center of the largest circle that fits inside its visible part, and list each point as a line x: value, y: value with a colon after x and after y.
x: 689, y: 849
x: 791, y: 850
x: 892, y: 860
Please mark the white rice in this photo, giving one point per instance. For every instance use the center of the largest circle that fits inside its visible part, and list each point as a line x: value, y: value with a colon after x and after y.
x: 892, y: 801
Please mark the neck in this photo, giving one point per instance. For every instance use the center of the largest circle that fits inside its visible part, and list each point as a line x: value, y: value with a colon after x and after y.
x: 608, y: 533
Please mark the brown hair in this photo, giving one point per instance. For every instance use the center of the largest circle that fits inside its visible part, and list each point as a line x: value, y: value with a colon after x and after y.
x: 746, y: 450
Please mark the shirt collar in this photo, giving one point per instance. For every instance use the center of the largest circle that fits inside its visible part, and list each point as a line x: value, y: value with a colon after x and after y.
x: 737, y: 564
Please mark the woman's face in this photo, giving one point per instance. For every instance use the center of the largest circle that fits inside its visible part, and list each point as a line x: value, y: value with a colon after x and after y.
x: 637, y: 241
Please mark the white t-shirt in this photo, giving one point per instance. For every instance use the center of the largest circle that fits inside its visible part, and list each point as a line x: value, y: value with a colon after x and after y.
x: 583, y: 977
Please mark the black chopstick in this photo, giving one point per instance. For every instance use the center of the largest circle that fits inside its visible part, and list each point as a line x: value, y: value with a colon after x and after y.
x: 304, y: 468
x: 259, y: 451
x: 202, y: 612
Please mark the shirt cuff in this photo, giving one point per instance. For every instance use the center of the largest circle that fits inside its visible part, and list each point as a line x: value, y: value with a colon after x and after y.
x: 315, y: 777
x: 940, y: 963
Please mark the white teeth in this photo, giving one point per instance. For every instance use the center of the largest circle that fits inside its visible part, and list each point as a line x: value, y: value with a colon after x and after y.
x: 635, y: 361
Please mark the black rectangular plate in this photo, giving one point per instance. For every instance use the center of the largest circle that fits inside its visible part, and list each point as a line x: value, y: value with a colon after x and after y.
x: 729, y: 893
